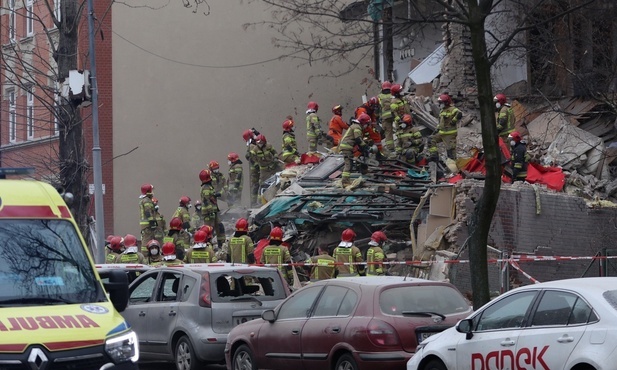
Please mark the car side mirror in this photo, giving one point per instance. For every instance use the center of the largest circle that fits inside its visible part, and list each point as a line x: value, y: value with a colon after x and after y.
x: 269, y: 315
x: 118, y: 288
x: 465, y: 326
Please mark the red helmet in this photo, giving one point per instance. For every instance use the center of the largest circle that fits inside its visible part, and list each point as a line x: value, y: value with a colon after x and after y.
x: 153, y: 243
x: 168, y: 249
x: 276, y: 234
x: 208, y: 230
x: 364, y: 119
x: 175, y: 223
x: 288, y: 125
x: 247, y: 135
x: 197, y: 203
x: 445, y: 98
x: 373, y: 101
x: 242, y: 225
x: 184, y: 200
x: 233, y: 156
x: 386, y: 85
x: 146, y: 189
x: 348, y: 235
x: 261, y: 138
x: 337, y: 109
x: 214, y: 165
x: 396, y: 89
x: 108, y: 239
x: 116, y: 243
x: 200, y: 236
x: 407, y: 119
x: 312, y: 106
x: 501, y: 98
x: 130, y: 240
x: 514, y: 135
x: 204, y: 175
x: 379, y: 237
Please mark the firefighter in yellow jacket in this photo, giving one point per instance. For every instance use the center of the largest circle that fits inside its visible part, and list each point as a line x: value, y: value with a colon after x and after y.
x: 178, y: 236
x: 265, y: 156
x: 183, y: 213
x: 352, y: 140
x: 275, y: 253
x: 200, y: 252
x: 240, y: 244
x: 385, y: 115
x: 398, y: 105
x: 505, y: 116
x: 131, y: 252
x: 169, y: 256
x: 147, y: 221
x: 234, y: 187
x: 375, y: 255
x: 249, y: 136
x: 323, y: 266
x: 209, y: 205
x: 289, y: 146
x: 409, y: 143
x: 447, y: 128
x: 314, y: 134
x: 348, y: 256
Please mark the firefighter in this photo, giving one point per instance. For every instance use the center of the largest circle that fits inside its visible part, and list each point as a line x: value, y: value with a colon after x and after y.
x: 147, y: 221
x: 115, y: 244
x: 275, y: 253
x: 178, y: 236
x: 209, y: 205
x: 218, y: 179
x: 385, y: 100
x: 183, y: 213
x: 265, y: 156
x: 289, y: 147
x: 520, y: 158
x: 399, y: 107
x: 169, y: 255
x: 337, y: 125
x: 371, y: 107
x: 234, y: 189
x: 201, y: 251
x: 374, y: 254
x: 504, y: 115
x: 197, y: 219
x: 131, y: 252
x: 323, y: 265
x: 409, y: 143
x: 446, y: 129
x: 161, y: 224
x: 372, y: 136
x: 314, y: 134
x: 353, y: 138
x: 249, y: 137
x: 154, y: 256
x: 241, y: 244
x: 348, y: 256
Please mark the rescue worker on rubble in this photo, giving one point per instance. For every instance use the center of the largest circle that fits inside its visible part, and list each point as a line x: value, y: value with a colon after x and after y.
x: 386, y: 116
x: 154, y: 256
x: 409, y: 143
x: 447, y: 129
x: 183, y: 213
x: 197, y: 219
x: 504, y: 115
x: 115, y: 244
x: 200, y: 252
x: 147, y: 221
x: 353, y: 138
x: 520, y: 158
x: 161, y: 224
x: 131, y: 252
x: 399, y: 106
x: 275, y: 253
x: 323, y: 266
x: 265, y: 156
x: 374, y: 254
x: 249, y: 137
x: 178, y: 236
x: 241, y: 244
x: 314, y: 134
x: 348, y: 256
x: 169, y: 255
x: 209, y: 205
x: 218, y: 179
x: 234, y: 190
x: 289, y: 146
x: 371, y: 107
x: 337, y: 125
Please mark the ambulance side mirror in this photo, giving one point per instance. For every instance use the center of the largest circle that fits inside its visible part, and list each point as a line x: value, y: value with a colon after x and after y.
x: 118, y: 288
x: 465, y: 326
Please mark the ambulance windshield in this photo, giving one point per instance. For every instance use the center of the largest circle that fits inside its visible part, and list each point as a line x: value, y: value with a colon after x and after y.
x: 43, y: 262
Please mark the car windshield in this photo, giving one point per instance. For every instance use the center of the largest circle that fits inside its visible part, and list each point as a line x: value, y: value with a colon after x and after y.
x: 43, y: 262
x: 411, y: 299
x: 262, y: 285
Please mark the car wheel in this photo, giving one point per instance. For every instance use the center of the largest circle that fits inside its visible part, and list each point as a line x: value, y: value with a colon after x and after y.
x: 184, y: 356
x: 243, y: 359
x: 434, y: 365
x: 346, y: 362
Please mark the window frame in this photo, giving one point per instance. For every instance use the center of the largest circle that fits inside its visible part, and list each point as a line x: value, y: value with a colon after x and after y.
x: 12, y: 116
x: 29, y: 17
x: 30, y: 113
x: 58, y: 10
x: 12, y: 21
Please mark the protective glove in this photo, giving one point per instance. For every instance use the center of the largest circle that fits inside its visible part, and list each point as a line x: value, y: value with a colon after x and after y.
x: 153, y: 224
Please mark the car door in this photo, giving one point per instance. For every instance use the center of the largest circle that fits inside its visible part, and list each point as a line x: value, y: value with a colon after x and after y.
x: 495, y: 333
x: 164, y: 312
x: 136, y: 313
x: 556, y: 327
x: 326, y: 326
x: 279, y: 343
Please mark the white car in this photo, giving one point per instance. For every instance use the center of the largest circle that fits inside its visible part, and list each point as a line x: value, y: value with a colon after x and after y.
x: 559, y: 325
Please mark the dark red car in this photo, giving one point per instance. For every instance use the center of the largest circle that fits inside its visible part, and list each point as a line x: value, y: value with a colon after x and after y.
x: 347, y: 324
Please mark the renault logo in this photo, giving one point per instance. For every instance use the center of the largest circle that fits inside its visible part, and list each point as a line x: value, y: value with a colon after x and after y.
x: 37, y: 359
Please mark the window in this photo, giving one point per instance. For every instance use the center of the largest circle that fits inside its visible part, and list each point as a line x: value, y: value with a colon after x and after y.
x: 506, y: 313
x: 57, y: 9
x: 336, y: 301
x: 12, y: 117
x: 142, y: 292
x: 422, y: 298
x: 169, y: 287
x: 560, y: 308
x: 12, y: 21
x: 299, y: 305
x: 29, y: 18
x: 30, y: 113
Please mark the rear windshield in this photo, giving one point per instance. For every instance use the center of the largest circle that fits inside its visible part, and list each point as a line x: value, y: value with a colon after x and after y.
x: 440, y: 299
x: 44, y: 262
x: 264, y: 285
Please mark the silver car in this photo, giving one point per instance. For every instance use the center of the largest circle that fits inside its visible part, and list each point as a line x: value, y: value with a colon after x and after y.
x: 184, y: 313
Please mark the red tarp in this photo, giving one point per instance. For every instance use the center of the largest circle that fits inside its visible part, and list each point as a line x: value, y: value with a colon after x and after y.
x: 309, y: 158
x: 552, y: 177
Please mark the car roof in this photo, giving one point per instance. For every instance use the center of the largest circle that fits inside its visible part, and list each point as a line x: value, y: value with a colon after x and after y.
x: 382, y: 280
x: 594, y: 285
x: 216, y: 267
x: 120, y: 266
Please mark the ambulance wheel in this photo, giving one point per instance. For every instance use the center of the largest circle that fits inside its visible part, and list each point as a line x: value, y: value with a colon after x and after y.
x: 185, y: 356
x: 434, y: 365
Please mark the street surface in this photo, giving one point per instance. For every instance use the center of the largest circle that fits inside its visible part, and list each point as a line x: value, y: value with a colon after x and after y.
x: 170, y: 366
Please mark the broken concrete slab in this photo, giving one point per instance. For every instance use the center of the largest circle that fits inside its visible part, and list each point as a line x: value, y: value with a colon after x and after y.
x: 546, y: 126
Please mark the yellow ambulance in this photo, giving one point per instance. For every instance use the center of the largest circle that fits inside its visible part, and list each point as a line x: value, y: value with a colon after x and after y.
x: 54, y: 310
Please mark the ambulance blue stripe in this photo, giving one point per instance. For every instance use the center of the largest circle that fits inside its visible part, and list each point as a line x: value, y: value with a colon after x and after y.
x: 118, y: 329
